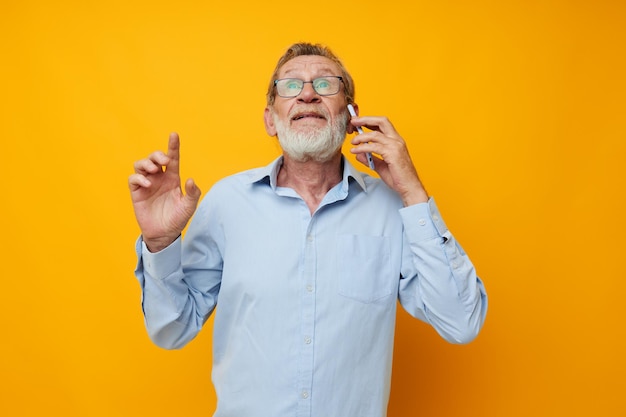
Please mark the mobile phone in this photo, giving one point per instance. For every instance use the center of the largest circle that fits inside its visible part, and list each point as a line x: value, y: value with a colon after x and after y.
x: 370, y: 160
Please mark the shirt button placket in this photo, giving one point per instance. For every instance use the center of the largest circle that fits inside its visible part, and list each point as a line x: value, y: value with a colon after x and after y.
x: 307, y: 325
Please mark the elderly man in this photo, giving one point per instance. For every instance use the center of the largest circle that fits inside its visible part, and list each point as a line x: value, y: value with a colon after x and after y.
x: 304, y: 258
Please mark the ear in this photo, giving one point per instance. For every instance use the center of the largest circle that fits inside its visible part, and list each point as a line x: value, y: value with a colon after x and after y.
x: 350, y: 128
x: 269, y: 122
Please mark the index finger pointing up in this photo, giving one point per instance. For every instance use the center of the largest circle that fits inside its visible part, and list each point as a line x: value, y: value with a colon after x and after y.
x: 173, y: 152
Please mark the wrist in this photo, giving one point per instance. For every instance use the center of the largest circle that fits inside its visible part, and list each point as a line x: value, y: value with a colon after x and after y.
x: 415, y: 196
x: 158, y: 244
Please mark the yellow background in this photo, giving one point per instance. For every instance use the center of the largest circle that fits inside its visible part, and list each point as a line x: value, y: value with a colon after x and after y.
x: 514, y: 113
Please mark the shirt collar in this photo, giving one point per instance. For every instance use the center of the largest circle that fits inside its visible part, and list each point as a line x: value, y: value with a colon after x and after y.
x: 269, y: 174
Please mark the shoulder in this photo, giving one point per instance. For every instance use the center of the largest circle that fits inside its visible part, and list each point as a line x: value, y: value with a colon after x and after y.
x: 377, y: 190
x: 235, y: 186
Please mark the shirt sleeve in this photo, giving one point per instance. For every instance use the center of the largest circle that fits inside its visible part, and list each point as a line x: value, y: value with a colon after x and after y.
x: 439, y: 284
x: 179, y: 286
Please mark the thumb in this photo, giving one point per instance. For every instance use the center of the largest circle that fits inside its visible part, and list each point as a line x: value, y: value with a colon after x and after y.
x: 192, y: 190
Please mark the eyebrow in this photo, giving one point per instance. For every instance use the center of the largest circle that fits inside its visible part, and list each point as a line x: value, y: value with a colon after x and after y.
x: 324, y: 69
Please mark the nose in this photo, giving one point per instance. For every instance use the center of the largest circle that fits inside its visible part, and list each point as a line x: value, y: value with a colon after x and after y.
x: 308, y: 94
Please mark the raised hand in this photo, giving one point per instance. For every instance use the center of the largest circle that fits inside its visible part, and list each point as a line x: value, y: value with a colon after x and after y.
x: 161, y: 208
x: 395, y: 168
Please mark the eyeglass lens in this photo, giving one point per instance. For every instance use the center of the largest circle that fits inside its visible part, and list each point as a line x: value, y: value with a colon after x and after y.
x: 324, y: 86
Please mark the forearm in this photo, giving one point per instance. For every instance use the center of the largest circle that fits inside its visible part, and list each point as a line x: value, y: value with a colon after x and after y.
x: 174, y: 312
x: 439, y: 282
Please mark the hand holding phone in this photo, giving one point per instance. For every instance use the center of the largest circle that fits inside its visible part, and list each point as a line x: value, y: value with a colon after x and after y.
x: 370, y: 160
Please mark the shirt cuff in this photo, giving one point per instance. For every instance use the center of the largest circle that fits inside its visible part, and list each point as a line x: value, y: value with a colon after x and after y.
x: 162, y: 264
x: 423, y: 221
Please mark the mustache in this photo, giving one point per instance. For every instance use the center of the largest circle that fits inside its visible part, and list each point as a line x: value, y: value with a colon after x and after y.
x: 309, y: 110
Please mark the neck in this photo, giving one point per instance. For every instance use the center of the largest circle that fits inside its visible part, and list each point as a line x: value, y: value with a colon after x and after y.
x: 310, y: 179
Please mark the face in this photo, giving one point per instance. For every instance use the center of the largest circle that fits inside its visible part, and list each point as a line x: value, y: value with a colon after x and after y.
x: 309, y: 126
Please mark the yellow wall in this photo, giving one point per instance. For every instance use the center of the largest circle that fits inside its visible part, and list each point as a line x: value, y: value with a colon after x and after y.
x: 514, y: 112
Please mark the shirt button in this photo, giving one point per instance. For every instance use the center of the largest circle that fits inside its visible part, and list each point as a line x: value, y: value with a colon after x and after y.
x: 421, y: 222
x: 307, y: 340
x: 309, y: 238
x: 454, y: 264
x: 435, y: 217
x: 309, y: 288
x: 305, y: 394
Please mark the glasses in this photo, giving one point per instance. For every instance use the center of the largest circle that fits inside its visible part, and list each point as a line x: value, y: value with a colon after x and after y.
x: 324, y: 86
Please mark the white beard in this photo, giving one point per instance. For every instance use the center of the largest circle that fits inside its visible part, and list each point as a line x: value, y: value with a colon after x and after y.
x: 319, y: 145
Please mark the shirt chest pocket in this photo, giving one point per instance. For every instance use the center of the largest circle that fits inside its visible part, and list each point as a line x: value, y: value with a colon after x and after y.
x: 365, y: 270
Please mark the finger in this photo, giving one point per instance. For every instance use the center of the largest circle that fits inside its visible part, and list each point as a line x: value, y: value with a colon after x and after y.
x: 362, y: 158
x: 362, y: 138
x: 369, y: 138
x: 137, y: 181
x: 377, y: 123
x: 152, y: 164
x: 192, y: 190
x: 364, y: 148
x: 173, y: 152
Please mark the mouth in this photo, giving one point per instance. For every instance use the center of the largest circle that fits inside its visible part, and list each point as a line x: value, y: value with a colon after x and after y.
x: 308, y: 115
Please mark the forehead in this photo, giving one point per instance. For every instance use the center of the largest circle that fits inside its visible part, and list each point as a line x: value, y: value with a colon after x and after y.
x: 310, y: 65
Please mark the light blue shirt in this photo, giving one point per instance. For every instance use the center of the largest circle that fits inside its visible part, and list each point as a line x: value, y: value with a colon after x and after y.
x: 306, y: 304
